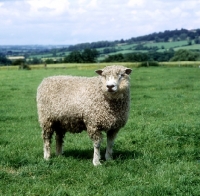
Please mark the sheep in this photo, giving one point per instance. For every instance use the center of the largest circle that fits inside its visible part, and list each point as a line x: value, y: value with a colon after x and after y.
x: 95, y: 104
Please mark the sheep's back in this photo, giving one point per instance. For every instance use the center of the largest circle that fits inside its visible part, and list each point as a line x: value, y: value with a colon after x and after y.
x: 60, y: 94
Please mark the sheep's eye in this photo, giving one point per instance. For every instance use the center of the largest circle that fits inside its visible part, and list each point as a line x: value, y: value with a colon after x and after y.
x: 121, y: 75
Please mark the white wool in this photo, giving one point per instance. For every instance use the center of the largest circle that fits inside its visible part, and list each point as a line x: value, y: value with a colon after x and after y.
x: 95, y: 104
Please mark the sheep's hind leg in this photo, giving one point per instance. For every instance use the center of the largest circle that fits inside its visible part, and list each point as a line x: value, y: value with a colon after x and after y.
x: 111, y: 135
x: 47, y: 142
x: 59, y: 143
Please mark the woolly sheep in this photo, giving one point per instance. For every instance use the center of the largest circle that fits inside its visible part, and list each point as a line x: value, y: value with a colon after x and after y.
x: 73, y: 104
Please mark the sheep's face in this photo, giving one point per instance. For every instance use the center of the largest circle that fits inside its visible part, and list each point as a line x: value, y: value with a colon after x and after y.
x: 115, y: 80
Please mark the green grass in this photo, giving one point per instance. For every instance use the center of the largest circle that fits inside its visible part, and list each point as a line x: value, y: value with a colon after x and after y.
x: 156, y: 153
x: 93, y: 66
x: 121, y: 52
x: 190, y: 47
x: 68, y: 66
x: 176, y: 45
x: 128, y: 46
x: 167, y: 45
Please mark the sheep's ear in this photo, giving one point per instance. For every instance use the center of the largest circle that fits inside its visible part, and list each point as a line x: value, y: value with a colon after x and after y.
x: 128, y: 71
x: 99, y: 72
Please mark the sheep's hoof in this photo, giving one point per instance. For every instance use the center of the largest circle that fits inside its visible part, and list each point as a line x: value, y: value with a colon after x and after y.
x: 96, y: 162
x: 46, y: 157
x: 108, y: 157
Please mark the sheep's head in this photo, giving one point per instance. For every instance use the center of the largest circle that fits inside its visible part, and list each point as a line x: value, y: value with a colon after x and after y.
x: 115, y: 80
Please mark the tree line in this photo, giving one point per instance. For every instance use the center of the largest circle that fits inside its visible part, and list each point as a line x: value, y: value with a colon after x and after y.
x: 87, y: 56
x: 91, y: 56
x: 171, y: 55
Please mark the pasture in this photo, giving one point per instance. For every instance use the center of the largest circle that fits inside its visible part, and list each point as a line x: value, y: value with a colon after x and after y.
x: 156, y: 153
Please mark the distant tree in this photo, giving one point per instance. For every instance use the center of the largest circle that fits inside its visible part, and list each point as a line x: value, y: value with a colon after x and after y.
x: 109, y: 50
x: 166, y: 38
x: 18, y: 62
x: 171, y: 50
x: 136, y: 57
x: 197, y: 40
x: 114, y: 58
x: 9, y: 52
x: 189, y: 42
x: 185, y: 55
x: 154, y: 48
x: 175, y: 38
x: 54, y: 53
x: 49, y: 61
x: 73, y: 57
x: 191, y: 34
x: 106, y: 50
x: 93, y: 45
x: 141, y: 57
x: 35, y: 61
x: 157, y: 39
x: 122, y: 41
x: 87, y: 56
x: 139, y: 47
x: 183, y: 36
x: 161, y: 56
x: 4, y: 60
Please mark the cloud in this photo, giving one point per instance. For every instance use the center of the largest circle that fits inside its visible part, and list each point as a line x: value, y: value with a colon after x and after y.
x: 70, y: 22
x: 93, y: 4
x: 52, y: 6
x: 136, y: 3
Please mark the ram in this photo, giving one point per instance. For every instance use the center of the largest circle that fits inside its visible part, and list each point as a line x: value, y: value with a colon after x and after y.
x: 95, y: 104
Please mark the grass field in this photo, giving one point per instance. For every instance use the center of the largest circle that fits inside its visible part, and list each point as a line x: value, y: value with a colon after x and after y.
x: 167, y: 45
x: 157, y: 153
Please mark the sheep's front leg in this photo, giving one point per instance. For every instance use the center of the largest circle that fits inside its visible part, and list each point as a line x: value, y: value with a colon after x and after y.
x: 111, y: 135
x: 96, y: 137
x: 47, y: 142
x: 97, y: 156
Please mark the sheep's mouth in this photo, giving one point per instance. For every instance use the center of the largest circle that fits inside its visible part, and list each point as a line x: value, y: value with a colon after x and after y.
x: 111, y: 91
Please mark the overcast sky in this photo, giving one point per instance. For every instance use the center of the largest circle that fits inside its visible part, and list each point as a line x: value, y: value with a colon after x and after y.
x: 79, y: 21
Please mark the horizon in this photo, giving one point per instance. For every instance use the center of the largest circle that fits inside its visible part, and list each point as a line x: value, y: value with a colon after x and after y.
x: 93, y: 41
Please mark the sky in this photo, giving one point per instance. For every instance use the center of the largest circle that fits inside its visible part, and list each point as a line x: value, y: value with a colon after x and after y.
x: 68, y: 22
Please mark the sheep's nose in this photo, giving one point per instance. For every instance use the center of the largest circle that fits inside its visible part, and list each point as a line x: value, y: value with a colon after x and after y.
x: 110, y: 86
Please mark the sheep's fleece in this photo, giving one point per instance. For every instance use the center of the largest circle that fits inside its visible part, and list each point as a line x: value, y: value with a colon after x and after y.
x: 73, y: 104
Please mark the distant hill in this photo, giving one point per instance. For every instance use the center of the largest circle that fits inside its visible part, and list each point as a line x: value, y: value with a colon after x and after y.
x: 166, y: 36
x: 154, y: 42
x: 161, y: 42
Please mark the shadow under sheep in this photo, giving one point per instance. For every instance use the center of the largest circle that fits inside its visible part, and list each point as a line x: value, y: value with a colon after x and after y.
x: 87, y: 154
